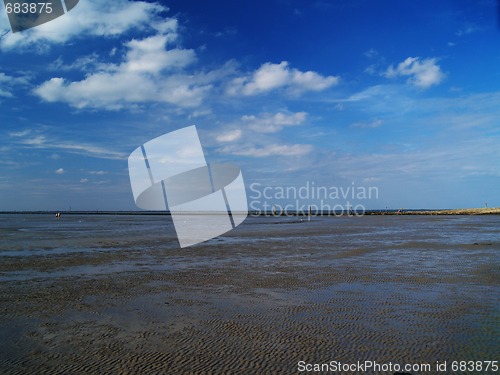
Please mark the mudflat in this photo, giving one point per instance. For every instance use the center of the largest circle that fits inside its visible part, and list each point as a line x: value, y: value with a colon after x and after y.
x: 102, y: 294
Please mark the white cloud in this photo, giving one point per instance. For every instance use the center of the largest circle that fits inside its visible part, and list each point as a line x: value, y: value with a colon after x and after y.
x: 150, y: 56
x: 229, y: 136
x: 117, y: 90
x: 245, y: 136
x: 140, y: 78
x: 269, y: 150
x: 274, y: 76
x: 89, y: 18
x: 153, y: 69
x: 249, y: 126
x: 422, y: 74
x: 268, y: 123
x: 59, y: 171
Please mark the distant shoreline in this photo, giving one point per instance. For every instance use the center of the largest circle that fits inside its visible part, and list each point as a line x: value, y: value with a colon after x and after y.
x: 458, y: 211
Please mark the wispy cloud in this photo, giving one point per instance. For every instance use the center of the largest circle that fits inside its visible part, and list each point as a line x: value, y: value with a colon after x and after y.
x: 88, y: 63
x: 98, y: 172
x: 271, y: 77
x: 41, y: 141
x: 269, y: 150
x: 379, y: 100
x: 20, y: 133
x: 468, y: 28
x: 368, y: 125
x: 272, y: 123
x: 460, y: 159
x: 89, y: 150
x: 37, y: 141
x: 371, y: 53
x: 422, y: 73
x: 9, y: 83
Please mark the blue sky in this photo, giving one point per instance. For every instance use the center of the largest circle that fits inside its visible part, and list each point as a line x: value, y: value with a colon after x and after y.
x: 400, y: 95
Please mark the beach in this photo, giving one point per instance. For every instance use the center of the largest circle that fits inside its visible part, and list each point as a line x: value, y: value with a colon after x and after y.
x: 96, y: 294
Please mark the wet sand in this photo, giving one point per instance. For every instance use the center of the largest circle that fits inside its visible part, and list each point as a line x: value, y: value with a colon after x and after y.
x: 257, y: 300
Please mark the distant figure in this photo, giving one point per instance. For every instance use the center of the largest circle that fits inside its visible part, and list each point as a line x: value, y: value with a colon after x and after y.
x: 58, y: 215
x: 274, y: 210
x: 486, y: 204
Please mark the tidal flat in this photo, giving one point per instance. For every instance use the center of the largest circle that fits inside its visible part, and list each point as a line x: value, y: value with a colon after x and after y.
x: 94, y: 294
